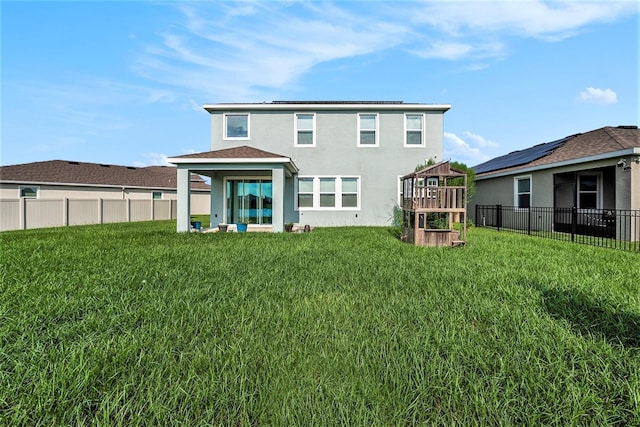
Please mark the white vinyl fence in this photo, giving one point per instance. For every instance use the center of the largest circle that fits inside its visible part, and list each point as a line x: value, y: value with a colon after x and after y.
x: 22, y: 214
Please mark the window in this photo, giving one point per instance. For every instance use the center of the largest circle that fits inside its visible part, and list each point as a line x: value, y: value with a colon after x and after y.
x: 236, y: 126
x: 367, y: 130
x: 29, y: 192
x: 329, y: 193
x: 305, y: 193
x: 432, y: 188
x: 522, y: 193
x: 305, y: 130
x: 414, y: 124
x: 349, y: 192
x: 589, y: 191
x: 157, y: 195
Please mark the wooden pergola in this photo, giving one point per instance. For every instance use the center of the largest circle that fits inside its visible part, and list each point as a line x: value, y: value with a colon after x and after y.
x: 431, y: 205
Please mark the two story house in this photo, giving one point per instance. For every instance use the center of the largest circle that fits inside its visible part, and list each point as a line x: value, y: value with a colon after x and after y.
x: 322, y: 163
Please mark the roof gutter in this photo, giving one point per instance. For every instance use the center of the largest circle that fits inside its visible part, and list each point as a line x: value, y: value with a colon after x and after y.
x: 626, y: 152
x: 75, y: 184
x: 227, y: 161
x: 211, y: 108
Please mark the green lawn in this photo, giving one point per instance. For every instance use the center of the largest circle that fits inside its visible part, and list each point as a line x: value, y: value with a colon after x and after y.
x: 133, y: 324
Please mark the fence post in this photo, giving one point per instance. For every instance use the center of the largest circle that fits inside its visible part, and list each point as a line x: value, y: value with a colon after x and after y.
x: 498, y: 216
x: 529, y: 222
x: 65, y: 212
x: 574, y: 220
x: 23, y: 213
x: 476, y: 216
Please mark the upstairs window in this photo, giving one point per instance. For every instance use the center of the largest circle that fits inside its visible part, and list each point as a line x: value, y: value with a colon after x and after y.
x: 29, y: 192
x: 236, y: 126
x: 367, y: 130
x: 589, y: 191
x: 305, y: 130
x: 522, y: 192
x: 414, y: 130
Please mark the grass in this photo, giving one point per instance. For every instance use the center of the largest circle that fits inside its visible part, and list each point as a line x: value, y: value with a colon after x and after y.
x: 133, y: 324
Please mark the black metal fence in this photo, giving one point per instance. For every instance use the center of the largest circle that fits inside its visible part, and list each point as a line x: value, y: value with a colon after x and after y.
x: 610, y: 228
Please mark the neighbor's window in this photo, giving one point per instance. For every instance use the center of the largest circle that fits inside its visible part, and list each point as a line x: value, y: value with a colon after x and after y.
x: 523, y: 192
x: 367, y: 130
x: 157, y: 195
x: 29, y: 192
x: 305, y: 129
x: 414, y: 127
x: 236, y: 126
x: 329, y: 193
x: 588, y: 191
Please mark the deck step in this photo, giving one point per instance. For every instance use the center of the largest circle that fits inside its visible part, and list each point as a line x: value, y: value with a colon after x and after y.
x: 458, y: 243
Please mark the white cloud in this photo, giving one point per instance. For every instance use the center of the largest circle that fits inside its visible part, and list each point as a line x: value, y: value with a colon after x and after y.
x: 153, y: 159
x: 444, y: 50
x: 466, y: 151
x: 530, y: 18
x: 226, y: 54
x: 247, y: 51
x: 480, y: 30
x: 480, y: 141
x: 456, y: 51
x: 593, y: 95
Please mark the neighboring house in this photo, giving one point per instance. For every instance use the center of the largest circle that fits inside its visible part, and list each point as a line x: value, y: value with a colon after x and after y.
x: 322, y: 163
x: 60, y: 180
x: 591, y: 171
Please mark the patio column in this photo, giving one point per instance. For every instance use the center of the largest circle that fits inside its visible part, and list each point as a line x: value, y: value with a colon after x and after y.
x: 277, y: 181
x: 184, y: 200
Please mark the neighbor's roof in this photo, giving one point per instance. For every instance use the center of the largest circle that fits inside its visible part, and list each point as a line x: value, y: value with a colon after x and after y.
x: 327, y: 105
x: 583, y: 145
x: 81, y: 173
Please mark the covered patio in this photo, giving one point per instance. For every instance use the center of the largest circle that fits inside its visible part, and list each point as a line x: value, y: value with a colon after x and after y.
x: 248, y: 186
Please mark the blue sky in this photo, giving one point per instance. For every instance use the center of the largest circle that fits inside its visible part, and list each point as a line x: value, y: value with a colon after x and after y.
x: 124, y: 82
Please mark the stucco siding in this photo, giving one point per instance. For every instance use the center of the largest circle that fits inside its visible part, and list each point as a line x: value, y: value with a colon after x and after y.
x: 336, y: 153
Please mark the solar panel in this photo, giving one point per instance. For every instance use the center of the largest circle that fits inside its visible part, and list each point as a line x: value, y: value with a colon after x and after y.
x: 521, y: 157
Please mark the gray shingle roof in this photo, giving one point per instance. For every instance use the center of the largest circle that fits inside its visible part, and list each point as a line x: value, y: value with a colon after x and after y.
x: 600, y: 141
x: 243, y: 152
x: 81, y: 173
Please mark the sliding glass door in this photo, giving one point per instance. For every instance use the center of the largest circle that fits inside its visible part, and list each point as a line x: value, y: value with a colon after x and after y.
x: 249, y: 201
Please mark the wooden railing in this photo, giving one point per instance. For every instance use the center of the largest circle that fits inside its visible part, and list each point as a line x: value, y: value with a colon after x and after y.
x: 436, y: 198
